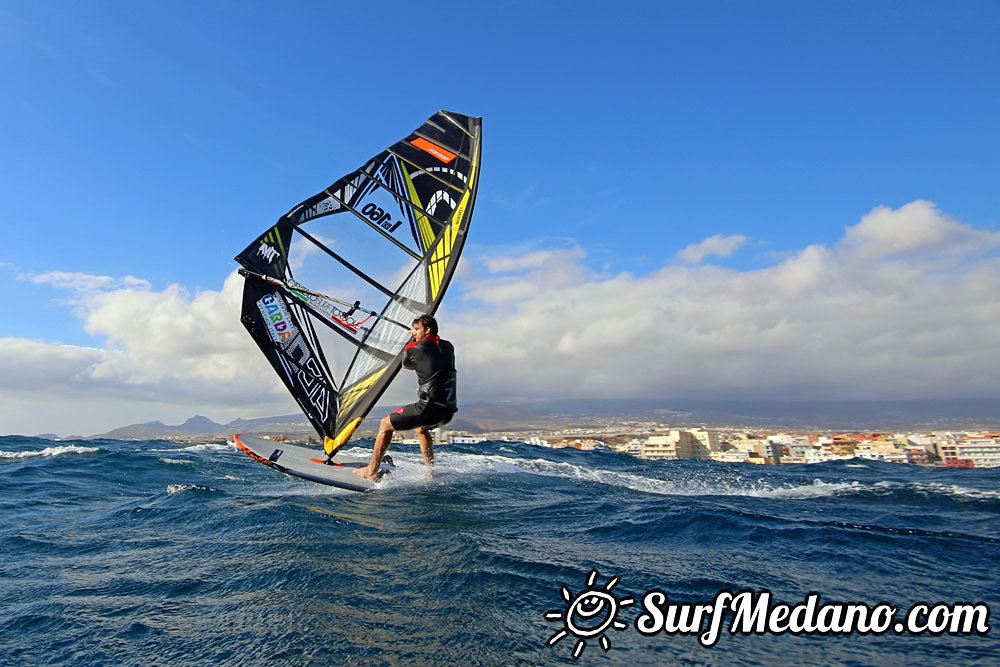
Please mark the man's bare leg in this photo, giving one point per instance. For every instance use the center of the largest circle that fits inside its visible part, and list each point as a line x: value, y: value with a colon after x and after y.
x: 382, y: 441
x: 426, y: 445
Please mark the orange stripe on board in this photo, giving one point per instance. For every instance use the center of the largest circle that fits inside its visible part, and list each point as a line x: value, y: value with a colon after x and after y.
x: 255, y: 457
x: 442, y: 154
x: 331, y: 463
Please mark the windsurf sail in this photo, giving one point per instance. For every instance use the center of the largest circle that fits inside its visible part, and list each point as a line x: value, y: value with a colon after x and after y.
x: 332, y: 287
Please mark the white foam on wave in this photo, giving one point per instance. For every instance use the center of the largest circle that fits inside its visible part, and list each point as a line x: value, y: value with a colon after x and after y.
x: 978, y: 494
x: 175, y: 461
x: 693, y: 486
x: 818, y: 489
x: 209, y: 447
x: 181, y: 488
x: 473, y: 463
x: 200, y: 447
x: 49, y: 451
x: 936, y: 488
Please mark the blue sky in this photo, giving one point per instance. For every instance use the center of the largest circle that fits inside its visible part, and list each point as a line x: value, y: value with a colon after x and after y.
x: 842, y: 155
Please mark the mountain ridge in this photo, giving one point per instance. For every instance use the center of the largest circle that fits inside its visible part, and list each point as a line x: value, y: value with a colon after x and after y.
x: 523, y: 416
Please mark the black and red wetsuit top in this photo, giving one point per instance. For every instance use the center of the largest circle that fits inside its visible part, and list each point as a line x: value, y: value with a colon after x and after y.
x: 434, y: 361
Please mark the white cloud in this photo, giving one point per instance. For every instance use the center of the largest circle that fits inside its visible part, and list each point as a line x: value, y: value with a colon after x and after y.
x: 854, y: 320
x: 163, y: 347
x: 917, y: 226
x: 85, y: 283
x: 879, y: 314
x: 723, y: 246
x: 497, y: 264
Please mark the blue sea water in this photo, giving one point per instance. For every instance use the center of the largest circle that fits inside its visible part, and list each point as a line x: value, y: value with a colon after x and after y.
x: 160, y: 553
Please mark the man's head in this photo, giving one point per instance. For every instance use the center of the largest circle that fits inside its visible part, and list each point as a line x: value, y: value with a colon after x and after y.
x: 424, y: 324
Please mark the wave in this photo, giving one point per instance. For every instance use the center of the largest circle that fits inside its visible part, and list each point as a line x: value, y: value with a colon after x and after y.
x: 49, y: 451
x: 696, y: 484
x: 451, y: 462
x: 662, y: 480
x: 932, y: 490
x: 692, y: 486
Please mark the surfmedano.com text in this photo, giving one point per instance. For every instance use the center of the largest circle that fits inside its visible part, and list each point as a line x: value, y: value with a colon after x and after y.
x: 752, y: 612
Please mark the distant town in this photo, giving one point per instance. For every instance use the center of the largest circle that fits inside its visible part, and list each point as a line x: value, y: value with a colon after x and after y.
x: 653, y: 441
x: 960, y: 434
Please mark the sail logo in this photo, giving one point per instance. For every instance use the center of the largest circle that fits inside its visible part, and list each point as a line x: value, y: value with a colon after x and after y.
x: 322, y: 207
x: 440, y: 153
x: 309, y: 375
x: 381, y: 218
x: 268, y: 252
x: 277, y: 318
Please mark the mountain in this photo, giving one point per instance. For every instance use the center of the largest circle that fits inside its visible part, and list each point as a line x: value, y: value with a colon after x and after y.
x: 199, y: 426
x: 486, y: 417
x: 805, y: 415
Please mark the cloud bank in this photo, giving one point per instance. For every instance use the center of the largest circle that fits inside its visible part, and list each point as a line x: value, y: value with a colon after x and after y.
x: 905, y: 305
x: 167, y: 355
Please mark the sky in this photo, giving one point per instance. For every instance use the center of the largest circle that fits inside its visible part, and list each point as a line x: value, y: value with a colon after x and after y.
x: 788, y: 200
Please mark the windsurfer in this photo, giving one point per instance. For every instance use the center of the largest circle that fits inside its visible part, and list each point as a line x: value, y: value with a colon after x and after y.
x: 434, y: 361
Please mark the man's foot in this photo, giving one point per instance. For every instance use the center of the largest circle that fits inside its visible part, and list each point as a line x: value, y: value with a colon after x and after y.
x: 367, y: 473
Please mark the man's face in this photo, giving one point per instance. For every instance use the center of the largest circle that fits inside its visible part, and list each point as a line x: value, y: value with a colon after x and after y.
x: 418, y: 331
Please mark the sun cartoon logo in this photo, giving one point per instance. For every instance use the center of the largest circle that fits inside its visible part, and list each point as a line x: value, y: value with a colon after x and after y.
x: 592, y: 611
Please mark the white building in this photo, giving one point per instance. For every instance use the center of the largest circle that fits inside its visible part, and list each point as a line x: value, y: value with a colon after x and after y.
x: 801, y: 447
x: 820, y: 456
x: 464, y: 439
x: 881, y: 451
x: 706, y: 441
x: 983, y: 452
x: 730, y: 456
x: 632, y: 447
x: 673, y: 445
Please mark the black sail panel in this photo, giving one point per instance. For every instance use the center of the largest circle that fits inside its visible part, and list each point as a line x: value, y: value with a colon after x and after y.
x: 268, y: 255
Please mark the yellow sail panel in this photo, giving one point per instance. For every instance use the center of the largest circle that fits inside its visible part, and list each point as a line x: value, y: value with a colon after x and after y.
x: 351, y: 396
x: 331, y: 445
x: 423, y: 224
x: 442, y: 253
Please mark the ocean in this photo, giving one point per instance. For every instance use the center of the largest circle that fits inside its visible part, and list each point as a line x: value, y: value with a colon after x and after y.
x: 162, y: 553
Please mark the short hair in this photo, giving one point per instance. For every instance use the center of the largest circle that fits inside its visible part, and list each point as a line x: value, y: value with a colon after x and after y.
x: 429, y: 323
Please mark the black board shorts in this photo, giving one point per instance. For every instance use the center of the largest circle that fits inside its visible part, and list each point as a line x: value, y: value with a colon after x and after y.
x: 426, y: 415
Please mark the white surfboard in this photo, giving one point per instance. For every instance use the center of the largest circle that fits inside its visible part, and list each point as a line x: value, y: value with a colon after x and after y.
x: 309, y: 463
